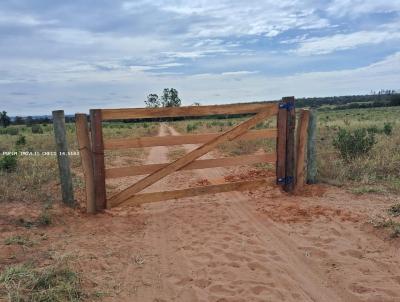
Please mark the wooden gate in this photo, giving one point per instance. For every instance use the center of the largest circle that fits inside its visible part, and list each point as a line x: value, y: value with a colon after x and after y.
x: 283, y: 157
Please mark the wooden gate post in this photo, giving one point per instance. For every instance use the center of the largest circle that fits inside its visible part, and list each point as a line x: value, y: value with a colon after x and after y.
x: 312, y: 149
x: 290, y: 152
x: 301, y: 144
x: 60, y: 135
x: 281, y: 122
x: 85, y: 151
x: 98, y: 158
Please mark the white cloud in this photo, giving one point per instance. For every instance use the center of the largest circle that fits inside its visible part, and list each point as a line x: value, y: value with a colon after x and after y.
x: 23, y: 19
x: 337, y: 42
x: 354, y: 8
x: 237, y: 18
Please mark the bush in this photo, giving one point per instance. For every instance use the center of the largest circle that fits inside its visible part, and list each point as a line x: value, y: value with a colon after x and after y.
x: 8, y: 163
x: 191, y: 127
x: 10, y: 131
x: 388, y: 128
x: 373, y: 129
x: 21, y: 141
x: 352, y: 144
x: 37, y: 129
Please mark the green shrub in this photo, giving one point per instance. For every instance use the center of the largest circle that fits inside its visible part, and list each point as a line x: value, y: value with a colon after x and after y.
x: 9, y: 131
x: 352, y: 144
x: 191, y: 127
x: 44, y: 218
x: 373, y: 129
x: 394, y: 210
x: 21, y: 141
x: 8, y: 163
x: 388, y: 128
x: 37, y: 129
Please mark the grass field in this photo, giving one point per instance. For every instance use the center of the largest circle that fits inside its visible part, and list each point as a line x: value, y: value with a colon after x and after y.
x: 378, y: 171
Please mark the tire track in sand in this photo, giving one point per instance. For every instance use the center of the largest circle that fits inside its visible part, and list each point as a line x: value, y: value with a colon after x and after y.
x: 264, y: 263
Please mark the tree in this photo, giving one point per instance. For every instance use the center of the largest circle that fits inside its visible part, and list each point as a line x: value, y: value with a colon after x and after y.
x: 170, y: 98
x: 5, y: 119
x: 29, y: 121
x: 152, y: 101
x: 18, y: 120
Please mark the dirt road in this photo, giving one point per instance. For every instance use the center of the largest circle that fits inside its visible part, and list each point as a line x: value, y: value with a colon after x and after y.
x: 226, y: 247
x: 253, y: 246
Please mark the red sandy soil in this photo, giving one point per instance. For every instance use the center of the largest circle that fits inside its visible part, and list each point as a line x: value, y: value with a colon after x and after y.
x: 262, y: 245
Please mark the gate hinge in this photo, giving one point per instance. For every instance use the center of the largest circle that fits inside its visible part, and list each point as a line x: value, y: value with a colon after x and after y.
x: 285, y: 180
x: 287, y: 106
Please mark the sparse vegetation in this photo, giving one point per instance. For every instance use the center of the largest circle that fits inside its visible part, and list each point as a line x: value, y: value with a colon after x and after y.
x: 8, y: 162
x: 394, y: 210
x: 24, y: 282
x: 392, y: 226
x: 18, y: 240
x: 175, y: 153
x: 21, y: 141
x: 377, y: 170
x: 37, y: 129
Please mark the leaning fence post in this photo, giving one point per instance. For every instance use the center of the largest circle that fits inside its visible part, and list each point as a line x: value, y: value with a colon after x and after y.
x: 301, y: 144
x: 62, y: 157
x: 85, y: 151
x: 98, y: 158
x: 290, y: 152
x: 312, y: 149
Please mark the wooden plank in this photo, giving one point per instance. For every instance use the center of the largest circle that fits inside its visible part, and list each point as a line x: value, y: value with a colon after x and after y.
x: 85, y: 150
x: 98, y: 158
x: 281, y: 145
x: 191, y: 156
x: 196, y: 191
x: 312, y: 149
x: 151, y: 141
x: 60, y: 135
x: 197, y: 164
x: 290, y: 151
x: 132, y: 113
x: 301, y: 143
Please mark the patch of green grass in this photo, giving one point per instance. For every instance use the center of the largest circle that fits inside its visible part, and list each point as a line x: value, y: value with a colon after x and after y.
x: 57, y: 282
x: 44, y: 218
x: 390, y: 224
x: 367, y: 189
x: 18, y: 240
x: 394, y: 210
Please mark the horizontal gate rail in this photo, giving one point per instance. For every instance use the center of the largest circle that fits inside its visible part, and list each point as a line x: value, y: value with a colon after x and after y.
x: 171, y: 140
x: 133, y: 113
x: 143, y: 198
x: 197, y: 164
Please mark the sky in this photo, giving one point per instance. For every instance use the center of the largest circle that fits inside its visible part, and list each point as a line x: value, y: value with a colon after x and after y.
x: 80, y: 54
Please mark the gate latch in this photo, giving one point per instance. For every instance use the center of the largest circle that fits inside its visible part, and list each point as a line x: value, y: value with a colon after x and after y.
x: 287, y: 106
x: 285, y: 180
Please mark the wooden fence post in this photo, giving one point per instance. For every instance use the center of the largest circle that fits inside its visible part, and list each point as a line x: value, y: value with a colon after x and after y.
x: 290, y: 152
x: 312, y: 149
x: 98, y: 158
x: 85, y: 150
x: 281, y: 144
x: 60, y: 135
x: 301, y: 144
